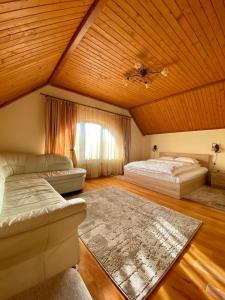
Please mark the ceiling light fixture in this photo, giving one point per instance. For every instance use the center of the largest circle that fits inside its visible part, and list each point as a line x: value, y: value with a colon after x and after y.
x: 143, y: 74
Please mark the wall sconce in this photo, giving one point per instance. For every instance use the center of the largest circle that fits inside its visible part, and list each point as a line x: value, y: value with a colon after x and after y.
x: 216, y: 148
x: 155, y: 148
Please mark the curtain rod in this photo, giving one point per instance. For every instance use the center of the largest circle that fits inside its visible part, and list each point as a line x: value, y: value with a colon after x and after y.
x: 87, y: 106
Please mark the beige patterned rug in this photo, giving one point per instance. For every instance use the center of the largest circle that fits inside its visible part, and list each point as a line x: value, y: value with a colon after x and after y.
x: 136, y: 241
x: 209, y: 196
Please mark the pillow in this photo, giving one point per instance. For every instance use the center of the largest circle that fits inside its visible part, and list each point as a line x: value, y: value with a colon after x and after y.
x: 166, y: 158
x: 186, y: 168
x: 187, y: 159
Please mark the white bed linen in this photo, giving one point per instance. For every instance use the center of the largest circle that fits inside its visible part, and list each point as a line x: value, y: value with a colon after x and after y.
x: 166, y: 177
x: 169, y: 167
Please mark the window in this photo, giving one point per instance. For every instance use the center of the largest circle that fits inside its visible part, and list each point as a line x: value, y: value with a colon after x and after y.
x: 94, y: 142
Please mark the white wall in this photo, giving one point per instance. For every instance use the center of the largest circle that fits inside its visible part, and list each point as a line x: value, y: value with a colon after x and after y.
x: 191, y: 142
x: 22, y: 126
x: 139, y: 144
x: 22, y: 123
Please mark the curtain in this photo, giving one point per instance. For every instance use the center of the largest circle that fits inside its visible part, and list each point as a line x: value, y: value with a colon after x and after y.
x: 61, y: 127
x: 126, y: 131
x: 100, y: 142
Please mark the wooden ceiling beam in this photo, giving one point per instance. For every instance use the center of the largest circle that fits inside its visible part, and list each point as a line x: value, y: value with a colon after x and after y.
x: 86, y: 23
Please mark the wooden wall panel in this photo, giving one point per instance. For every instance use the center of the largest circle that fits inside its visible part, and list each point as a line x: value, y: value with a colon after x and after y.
x: 188, y: 36
x: 33, y: 36
x: 201, y: 109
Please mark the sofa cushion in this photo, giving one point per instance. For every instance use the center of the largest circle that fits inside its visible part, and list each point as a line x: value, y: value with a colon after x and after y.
x: 62, y: 181
x: 32, y: 203
x: 50, y: 176
x: 27, y: 195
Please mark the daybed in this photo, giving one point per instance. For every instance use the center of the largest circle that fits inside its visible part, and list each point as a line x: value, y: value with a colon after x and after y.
x: 38, y: 227
x: 163, y: 180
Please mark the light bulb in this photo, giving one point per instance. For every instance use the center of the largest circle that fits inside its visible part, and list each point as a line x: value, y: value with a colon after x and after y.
x: 137, y: 65
x: 165, y: 71
x: 125, y: 82
x: 147, y: 85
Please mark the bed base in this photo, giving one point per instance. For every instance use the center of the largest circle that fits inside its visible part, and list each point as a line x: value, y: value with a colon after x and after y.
x: 175, y: 190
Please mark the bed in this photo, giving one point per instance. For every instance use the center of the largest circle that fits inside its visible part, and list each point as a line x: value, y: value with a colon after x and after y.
x: 169, y: 176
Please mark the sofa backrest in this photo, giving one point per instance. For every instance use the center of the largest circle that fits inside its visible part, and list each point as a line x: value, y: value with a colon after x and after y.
x: 19, y: 163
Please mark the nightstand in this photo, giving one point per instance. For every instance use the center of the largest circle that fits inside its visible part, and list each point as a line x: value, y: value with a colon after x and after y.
x: 218, y: 179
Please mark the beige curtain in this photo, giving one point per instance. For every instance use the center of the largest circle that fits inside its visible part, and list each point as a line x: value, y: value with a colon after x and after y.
x: 100, y: 142
x: 61, y: 127
x: 126, y: 131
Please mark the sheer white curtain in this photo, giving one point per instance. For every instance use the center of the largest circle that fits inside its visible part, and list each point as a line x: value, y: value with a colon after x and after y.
x: 99, y: 143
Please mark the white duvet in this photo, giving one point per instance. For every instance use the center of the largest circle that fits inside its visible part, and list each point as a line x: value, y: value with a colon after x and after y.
x: 169, y: 167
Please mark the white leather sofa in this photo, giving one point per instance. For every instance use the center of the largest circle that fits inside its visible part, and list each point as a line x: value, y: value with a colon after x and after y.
x: 38, y: 227
x: 67, y: 285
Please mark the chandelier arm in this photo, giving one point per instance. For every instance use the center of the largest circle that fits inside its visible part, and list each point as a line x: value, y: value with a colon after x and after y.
x: 154, y: 72
x: 135, y: 75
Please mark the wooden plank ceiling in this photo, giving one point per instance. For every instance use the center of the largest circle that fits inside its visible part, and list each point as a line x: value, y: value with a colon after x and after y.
x: 199, y: 109
x: 33, y: 36
x: 187, y: 36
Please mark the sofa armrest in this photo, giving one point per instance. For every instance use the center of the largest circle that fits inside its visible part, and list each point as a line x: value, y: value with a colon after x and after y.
x: 36, y: 218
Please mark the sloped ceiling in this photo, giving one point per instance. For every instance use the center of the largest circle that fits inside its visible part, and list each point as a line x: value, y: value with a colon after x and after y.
x: 199, y: 109
x: 87, y: 47
x: 33, y: 36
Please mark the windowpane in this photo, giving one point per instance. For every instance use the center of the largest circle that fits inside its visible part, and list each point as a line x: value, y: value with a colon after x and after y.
x: 94, y: 142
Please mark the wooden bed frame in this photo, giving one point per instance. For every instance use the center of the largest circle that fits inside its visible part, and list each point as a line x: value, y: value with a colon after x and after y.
x: 176, y: 190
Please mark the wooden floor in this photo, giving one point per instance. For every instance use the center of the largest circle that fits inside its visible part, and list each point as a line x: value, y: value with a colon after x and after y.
x: 200, y: 268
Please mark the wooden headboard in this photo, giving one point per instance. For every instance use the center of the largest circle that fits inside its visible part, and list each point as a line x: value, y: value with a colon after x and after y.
x: 204, y: 159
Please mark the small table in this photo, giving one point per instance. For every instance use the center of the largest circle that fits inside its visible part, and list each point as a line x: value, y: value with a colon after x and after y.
x: 218, y: 179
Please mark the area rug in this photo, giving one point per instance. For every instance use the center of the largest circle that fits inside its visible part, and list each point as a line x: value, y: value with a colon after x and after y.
x: 209, y: 196
x: 135, y: 240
